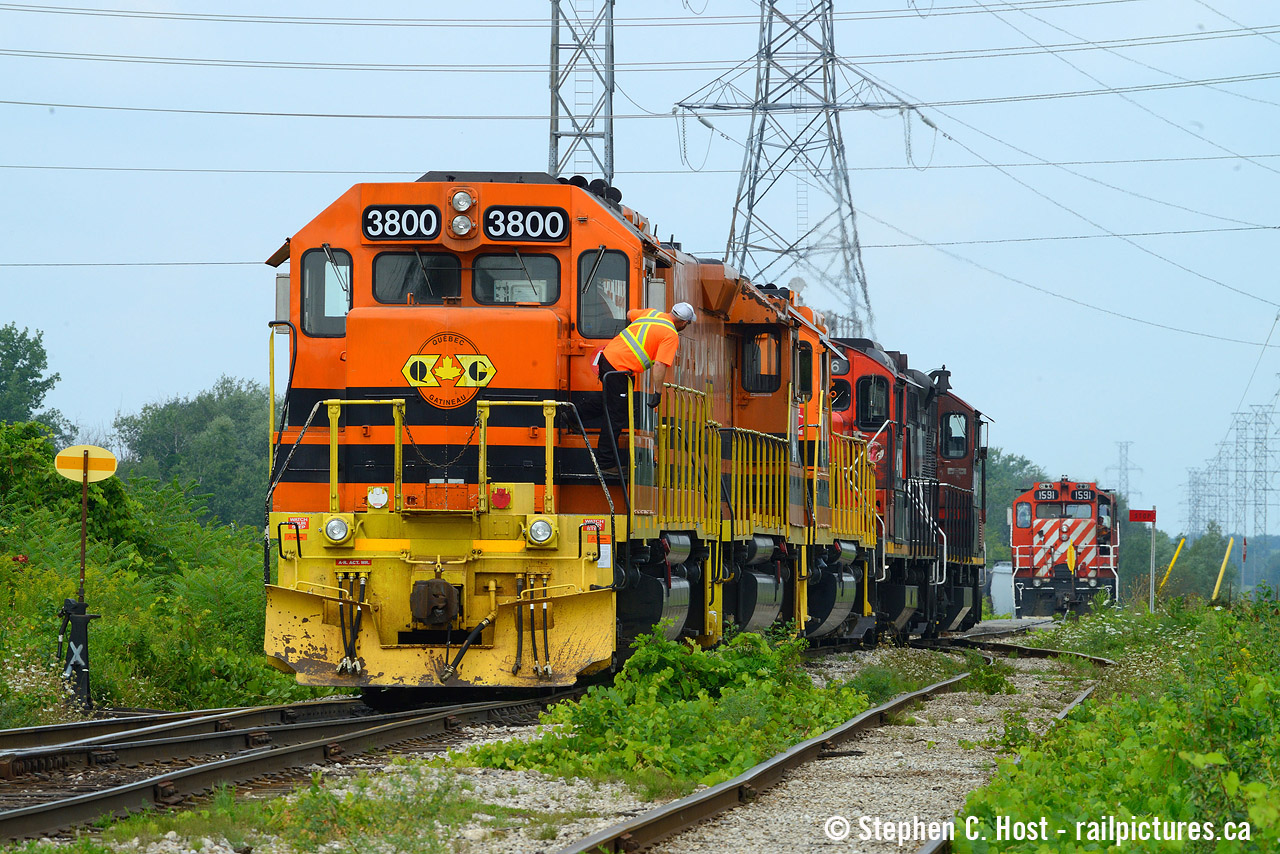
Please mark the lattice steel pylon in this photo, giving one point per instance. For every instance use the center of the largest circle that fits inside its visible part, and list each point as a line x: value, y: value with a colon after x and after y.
x: 582, y: 88
x: 1195, y: 502
x: 1240, y: 493
x: 1122, y: 469
x: 798, y: 74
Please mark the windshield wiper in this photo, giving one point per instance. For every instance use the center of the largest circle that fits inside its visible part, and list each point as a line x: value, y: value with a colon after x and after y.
x: 532, y: 286
x: 333, y: 262
x: 423, y: 267
x: 591, y: 277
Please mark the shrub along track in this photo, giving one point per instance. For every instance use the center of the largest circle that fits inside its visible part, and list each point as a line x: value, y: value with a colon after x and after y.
x: 887, y: 775
x: 71, y: 774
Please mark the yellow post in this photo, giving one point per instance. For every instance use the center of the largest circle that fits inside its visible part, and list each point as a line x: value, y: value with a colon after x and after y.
x: 397, y: 413
x: 1231, y: 542
x: 1176, y: 552
x: 549, y: 428
x: 482, y: 479
x: 335, y: 412
x: 271, y: 404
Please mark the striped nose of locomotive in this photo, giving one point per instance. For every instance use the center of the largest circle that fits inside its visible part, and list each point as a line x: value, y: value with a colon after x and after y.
x: 1055, y: 539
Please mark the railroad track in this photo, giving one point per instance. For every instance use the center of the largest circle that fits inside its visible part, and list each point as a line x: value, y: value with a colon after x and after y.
x: 670, y: 819
x: 113, y: 767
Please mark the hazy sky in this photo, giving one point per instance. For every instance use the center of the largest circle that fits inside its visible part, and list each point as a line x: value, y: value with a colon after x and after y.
x: 1159, y: 116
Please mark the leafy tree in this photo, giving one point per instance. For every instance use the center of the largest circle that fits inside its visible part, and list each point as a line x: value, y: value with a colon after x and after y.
x: 210, y: 442
x: 1008, y: 475
x: 24, y: 381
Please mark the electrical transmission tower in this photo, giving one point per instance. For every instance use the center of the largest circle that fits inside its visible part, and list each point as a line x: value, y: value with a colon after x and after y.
x: 1240, y: 470
x: 582, y: 88
x: 1261, y: 477
x: 1122, y: 469
x: 800, y: 89
x: 1195, y: 502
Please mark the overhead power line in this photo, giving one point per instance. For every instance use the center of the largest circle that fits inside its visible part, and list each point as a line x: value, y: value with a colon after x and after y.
x: 516, y: 23
x: 918, y: 243
x: 1060, y: 296
x: 415, y: 172
x: 663, y: 66
x: 730, y: 110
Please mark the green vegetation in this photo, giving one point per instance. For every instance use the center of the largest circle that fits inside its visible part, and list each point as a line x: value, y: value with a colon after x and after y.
x: 369, y: 812
x: 182, y: 602
x: 24, y: 383
x: 901, y: 670
x: 1184, y: 730
x: 1008, y: 475
x: 212, y: 442
x: 678, y: 716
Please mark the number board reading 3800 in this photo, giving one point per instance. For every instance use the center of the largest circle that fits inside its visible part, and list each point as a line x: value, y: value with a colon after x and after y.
x: 503, y: 222
x: 401, y: 222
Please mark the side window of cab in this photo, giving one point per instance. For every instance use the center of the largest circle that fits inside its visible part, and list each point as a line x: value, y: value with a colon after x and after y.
x: 1023, y: 514
x: 326, y: 292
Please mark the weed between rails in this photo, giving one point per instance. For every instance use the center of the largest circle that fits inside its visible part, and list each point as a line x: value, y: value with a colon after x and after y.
x: 678, y: 716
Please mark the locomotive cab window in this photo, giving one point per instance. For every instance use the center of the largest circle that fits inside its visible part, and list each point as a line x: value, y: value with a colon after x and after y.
x: 1048, y: 510
x: 873, y: 402
x: 804, y: 371
x: 326, y: 292
x: 955, y: 436
x: 1024, y: 514
x: 516, y: 277
x: 602, y: 293
x: 761, y: 363
x: 1078, y: 511
x: 416, y: 277
x: 841, y: 395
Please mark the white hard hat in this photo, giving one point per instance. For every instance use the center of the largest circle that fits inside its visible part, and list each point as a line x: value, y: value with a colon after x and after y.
x: 683, y: 311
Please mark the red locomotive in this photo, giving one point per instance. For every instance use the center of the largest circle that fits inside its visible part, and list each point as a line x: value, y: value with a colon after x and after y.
x: 1065, y: 547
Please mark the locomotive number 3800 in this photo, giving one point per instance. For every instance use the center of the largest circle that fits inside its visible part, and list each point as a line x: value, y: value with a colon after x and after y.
x: 401, y: 222
x: 503, y: 222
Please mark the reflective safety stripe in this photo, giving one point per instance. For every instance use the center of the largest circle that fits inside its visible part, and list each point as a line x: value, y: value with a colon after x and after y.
x: 637, y: 333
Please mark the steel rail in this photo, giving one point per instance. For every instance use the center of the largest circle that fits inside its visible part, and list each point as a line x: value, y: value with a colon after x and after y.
x: 104, y: 751
x: 84, y: 731
x: 171, y: 787
x: 1029, y: 651
x: 661, y: 822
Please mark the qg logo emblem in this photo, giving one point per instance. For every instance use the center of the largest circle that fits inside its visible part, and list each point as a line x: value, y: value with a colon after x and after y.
x: 448, y: 371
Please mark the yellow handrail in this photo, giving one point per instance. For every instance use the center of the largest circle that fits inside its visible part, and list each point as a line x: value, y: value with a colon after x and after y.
x: 687, y: 458
x: 549, y: 417
x: 853, y: 512
x: 334, y: 406
x: 757, y: 480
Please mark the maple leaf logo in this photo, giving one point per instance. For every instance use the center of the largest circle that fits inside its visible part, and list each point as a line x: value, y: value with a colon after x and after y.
x: 447, y: 370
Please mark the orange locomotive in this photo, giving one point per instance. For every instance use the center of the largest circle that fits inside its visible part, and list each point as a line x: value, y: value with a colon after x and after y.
x: 438, y: 524
x: 1065, y: 545
x: 441, y: 515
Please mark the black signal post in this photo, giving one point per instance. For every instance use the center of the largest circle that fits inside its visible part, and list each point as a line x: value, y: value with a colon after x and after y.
x: 90, y: 464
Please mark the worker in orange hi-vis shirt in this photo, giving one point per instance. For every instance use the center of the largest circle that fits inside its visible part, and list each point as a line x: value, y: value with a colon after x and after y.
x: 650, y: 340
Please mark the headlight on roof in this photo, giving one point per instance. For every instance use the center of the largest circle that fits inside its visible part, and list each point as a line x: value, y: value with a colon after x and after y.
x: 461, y: 225
x: 461, y: 201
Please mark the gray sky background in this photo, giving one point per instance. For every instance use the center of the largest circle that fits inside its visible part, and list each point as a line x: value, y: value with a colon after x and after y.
x: 1032, y: 303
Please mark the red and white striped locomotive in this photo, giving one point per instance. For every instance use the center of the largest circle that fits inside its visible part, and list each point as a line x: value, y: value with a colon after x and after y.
x: 1065, y: 542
